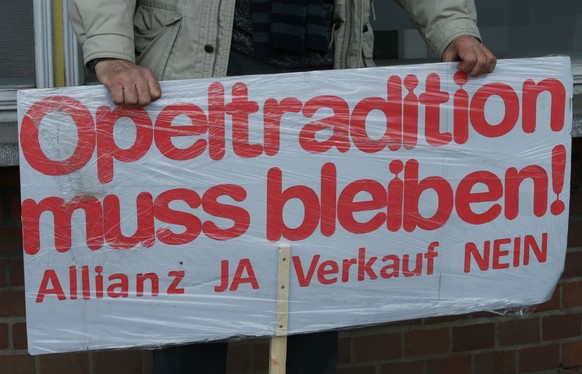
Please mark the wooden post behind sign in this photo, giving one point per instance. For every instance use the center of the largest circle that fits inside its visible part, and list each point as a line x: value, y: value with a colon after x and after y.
x: 278, y: 354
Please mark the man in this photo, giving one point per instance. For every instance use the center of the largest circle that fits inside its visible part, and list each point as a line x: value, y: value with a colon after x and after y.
x: 192, y: 39
x: 131, y: 44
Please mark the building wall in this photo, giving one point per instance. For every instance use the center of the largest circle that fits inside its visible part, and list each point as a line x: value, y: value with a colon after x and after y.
x: 545, y: 339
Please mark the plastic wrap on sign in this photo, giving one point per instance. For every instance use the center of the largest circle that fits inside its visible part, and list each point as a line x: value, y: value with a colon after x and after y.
x: 397, y: 192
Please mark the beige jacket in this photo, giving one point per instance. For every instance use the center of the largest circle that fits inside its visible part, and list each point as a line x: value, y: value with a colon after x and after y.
x: 191, y: 39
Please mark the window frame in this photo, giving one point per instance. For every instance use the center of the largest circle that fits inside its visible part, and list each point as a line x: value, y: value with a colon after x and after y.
x: 43, y: 61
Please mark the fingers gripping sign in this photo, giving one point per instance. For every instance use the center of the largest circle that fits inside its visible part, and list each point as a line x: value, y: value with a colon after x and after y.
x: 128, y: 83
x: 475, y: 58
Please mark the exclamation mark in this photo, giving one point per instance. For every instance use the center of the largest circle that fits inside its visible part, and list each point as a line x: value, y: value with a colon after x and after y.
x: 558, y: 171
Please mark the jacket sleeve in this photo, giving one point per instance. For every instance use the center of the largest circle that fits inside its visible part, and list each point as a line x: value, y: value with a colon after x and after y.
x: 442, y: 21
x: 104, y: 28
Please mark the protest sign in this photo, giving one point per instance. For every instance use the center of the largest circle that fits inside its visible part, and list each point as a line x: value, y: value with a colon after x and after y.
x: 402, y: 192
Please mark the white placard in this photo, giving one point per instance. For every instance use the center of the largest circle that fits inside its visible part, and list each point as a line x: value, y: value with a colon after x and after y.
x: 403, y: 192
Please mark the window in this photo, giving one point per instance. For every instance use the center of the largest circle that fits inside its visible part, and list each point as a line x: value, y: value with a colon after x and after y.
x: 516, y: 28
x: 25, y: 50
x: 17, y: 66
x: 17, y: 46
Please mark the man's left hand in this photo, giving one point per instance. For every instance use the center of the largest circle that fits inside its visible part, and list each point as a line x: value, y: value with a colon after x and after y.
x: 474, y: 57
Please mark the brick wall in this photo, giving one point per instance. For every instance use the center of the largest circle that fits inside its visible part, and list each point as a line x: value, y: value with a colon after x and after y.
x: 547, y: 339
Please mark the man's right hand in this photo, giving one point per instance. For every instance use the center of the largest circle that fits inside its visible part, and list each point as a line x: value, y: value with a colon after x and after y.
x: 128, y: 83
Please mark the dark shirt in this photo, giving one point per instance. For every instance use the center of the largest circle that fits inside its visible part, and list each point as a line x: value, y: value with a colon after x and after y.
x: 242, y: 41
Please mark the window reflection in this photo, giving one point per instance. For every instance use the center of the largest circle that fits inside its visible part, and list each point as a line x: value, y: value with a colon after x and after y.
x: 17, y: 44
x: 510, y: 28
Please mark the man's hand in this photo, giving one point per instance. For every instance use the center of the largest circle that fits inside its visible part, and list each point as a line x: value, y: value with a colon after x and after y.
x: 474, y: 56
x: 128, y: 83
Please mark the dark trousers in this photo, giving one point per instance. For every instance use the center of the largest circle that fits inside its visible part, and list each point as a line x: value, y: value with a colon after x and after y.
x: 306, y: 354
x: 192, y: 358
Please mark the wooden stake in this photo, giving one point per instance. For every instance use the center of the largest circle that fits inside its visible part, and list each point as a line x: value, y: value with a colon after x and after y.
x: 278, y: 354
